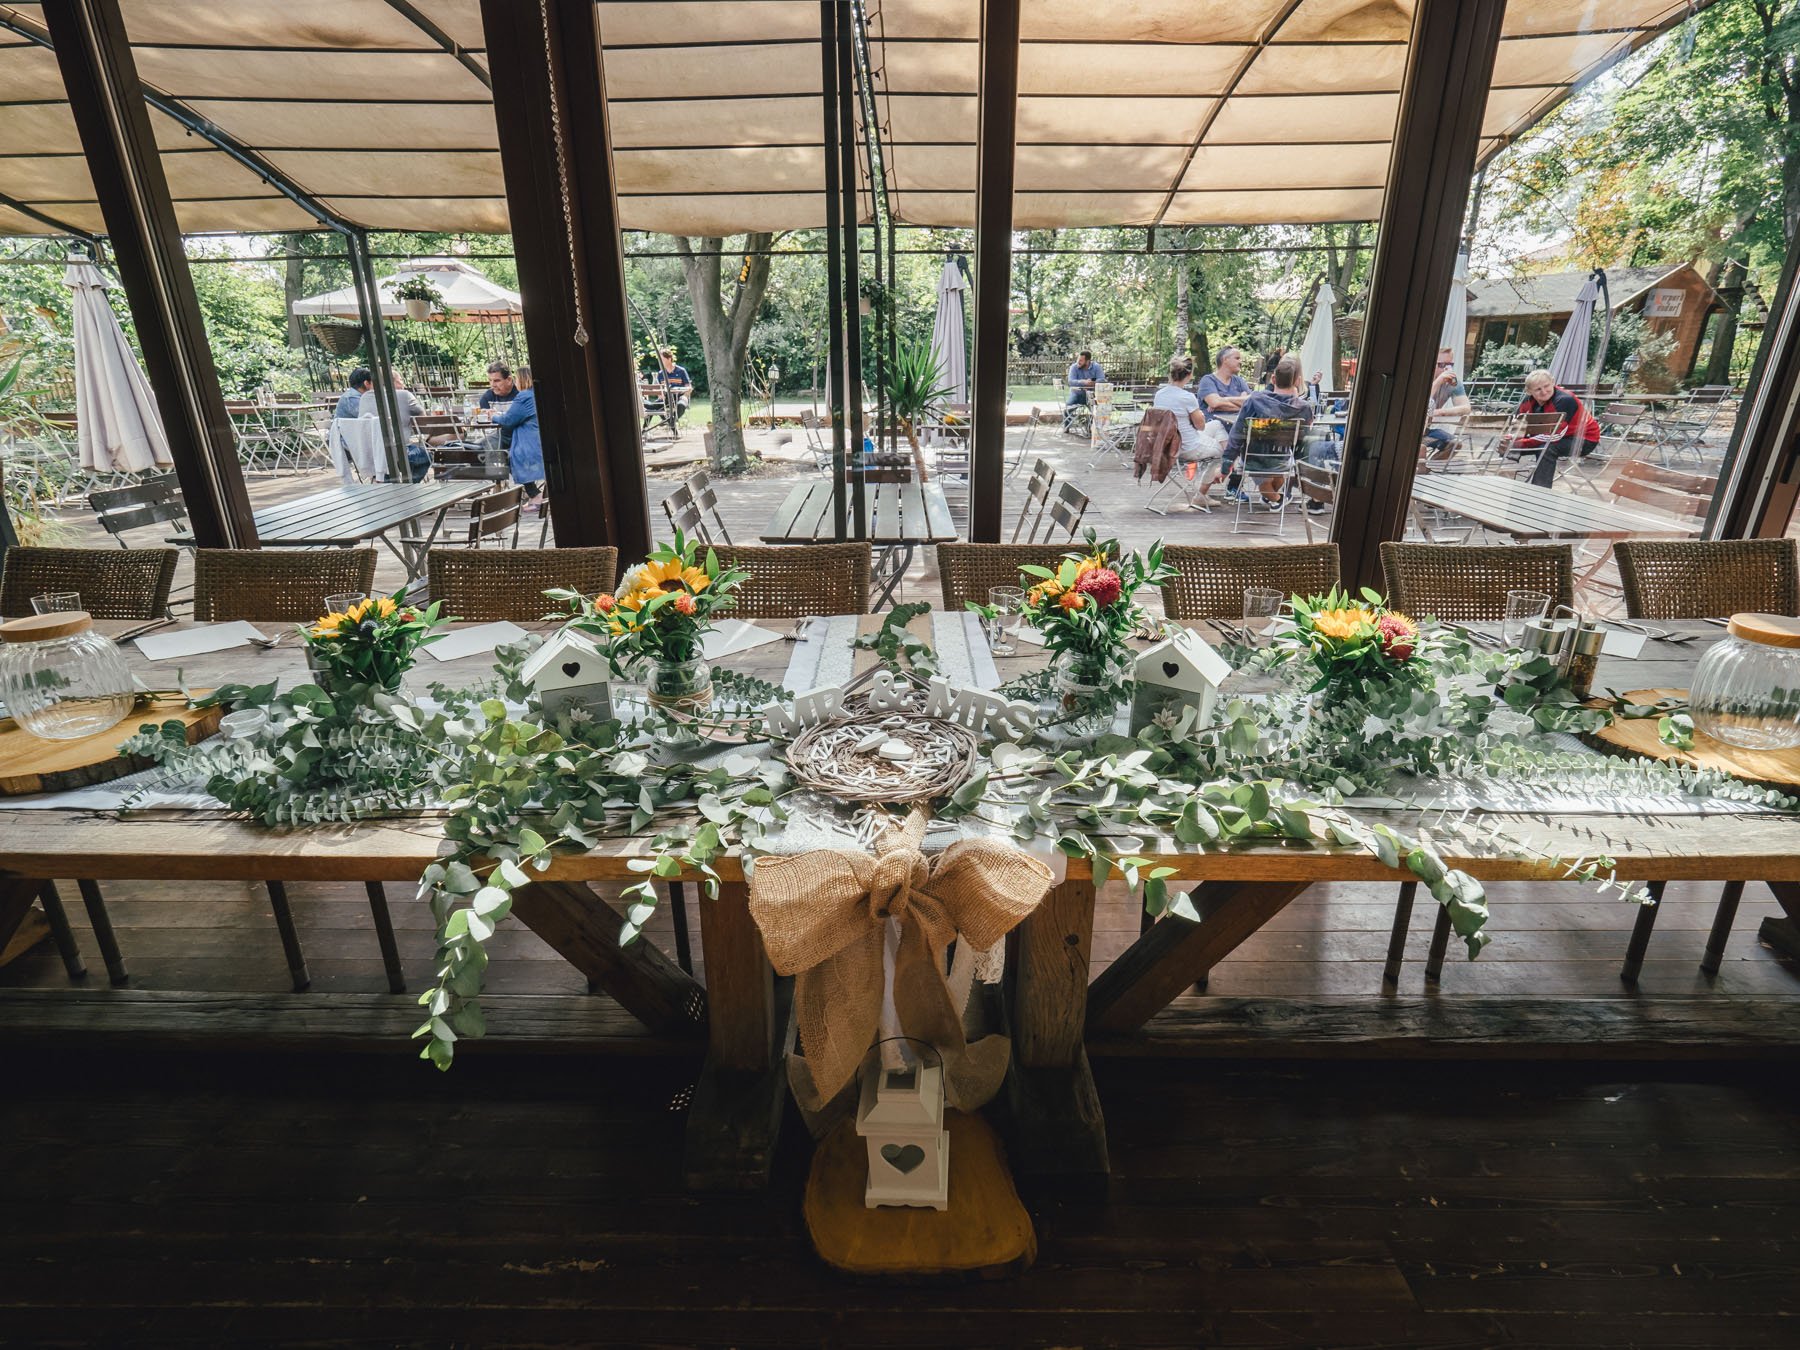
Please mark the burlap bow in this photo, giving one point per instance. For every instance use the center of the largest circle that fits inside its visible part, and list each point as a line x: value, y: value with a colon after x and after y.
x: 823, y: 917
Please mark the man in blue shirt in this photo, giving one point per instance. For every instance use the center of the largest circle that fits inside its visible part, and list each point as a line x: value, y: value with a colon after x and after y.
x: 676, y: 384
x: 1083, y: 376
x: 1223, y: 392
x: 361, y: 381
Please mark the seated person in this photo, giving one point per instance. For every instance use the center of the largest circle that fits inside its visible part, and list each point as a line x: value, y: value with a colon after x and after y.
x: 677, y: 386
x: 407, y: 405
x: 1222, y: 393
x: 1449, y: 405
x: 1574, y: 424
x: 1175, y: 397
x: 1284, y: 403
x: 1083, y: 376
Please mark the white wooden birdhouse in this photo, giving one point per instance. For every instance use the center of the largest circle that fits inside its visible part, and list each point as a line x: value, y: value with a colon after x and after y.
x: 1180, y: 672
x: 568, y: 672
x: 901, y: 1119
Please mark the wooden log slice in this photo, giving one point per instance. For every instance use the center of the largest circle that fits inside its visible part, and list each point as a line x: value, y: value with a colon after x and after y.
x: 31, y: 764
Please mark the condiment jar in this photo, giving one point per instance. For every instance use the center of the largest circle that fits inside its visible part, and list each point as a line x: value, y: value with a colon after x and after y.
x: 1583, y: 658
x: 60, y: 679
x: 1746, y: 689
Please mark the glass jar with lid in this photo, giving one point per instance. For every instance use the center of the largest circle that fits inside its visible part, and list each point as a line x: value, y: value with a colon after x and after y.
x: 60, y: 679
x: 1746, y: 689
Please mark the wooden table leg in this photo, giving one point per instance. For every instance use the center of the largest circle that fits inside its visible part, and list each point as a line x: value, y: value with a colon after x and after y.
x: 384, y: 936
x: 17, y: 895
x: 1058, y: 1128
x: 1783, y: 934
x: 1640, y: 934
x: 1177, y: 952
x: 101, y: 922
x: 1723, y: 918
x: 735, y: 1118
x: 1403, y: 907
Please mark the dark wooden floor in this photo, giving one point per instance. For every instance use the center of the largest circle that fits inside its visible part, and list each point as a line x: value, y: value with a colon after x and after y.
x: 152, y: 1199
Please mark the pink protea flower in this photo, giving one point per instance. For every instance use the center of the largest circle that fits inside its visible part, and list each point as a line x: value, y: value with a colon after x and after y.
x: 1102, y: 585
x: 604, y: 602
x: 684, y: 603
x: 1398, y: 634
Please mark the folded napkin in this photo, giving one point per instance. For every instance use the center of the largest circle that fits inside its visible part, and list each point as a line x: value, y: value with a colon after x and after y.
x: 732, y: 636
x: 483, y: 637
x: 212, y: 637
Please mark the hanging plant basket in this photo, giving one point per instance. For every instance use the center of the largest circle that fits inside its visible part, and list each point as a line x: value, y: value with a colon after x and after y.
x: 340, y: 339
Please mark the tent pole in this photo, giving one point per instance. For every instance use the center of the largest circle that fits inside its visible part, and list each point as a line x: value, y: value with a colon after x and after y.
x: 381, y: 366
x: 853, y: 373
x: 551, y: 112
x: 107, y: 100
x: 834, y: 260
x: 1435, y: 141
x: 996, y: 118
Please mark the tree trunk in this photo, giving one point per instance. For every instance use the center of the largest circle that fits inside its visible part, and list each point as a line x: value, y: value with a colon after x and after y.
x: 1730, y: 285
x: 1182, y: 325
x: 725, y: 331
x: 293, y: 287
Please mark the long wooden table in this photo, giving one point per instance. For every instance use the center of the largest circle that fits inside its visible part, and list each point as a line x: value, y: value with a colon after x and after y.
x: 342, y: 517
x: 900, y: 517
x: 742, y: 1010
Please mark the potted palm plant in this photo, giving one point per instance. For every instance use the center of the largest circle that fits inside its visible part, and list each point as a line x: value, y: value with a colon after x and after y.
x: 420, y: 295
x: 914, y: 383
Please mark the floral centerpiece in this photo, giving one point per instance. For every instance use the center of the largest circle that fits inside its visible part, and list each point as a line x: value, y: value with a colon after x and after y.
x: 1086, y: 607
x: 660, y: 613
x: 370, y: 645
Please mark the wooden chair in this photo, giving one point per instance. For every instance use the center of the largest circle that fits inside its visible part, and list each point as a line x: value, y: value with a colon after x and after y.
x: 151, y: 502
x: 1317, y: 483
x: 1210, y: 581
x: 1066, y: 511
x: 700, y: 487
x: 494, y: 513
x: 1037, y: 500
x: 467, y: 461
x: 968, y: 571
x: 1694, y: 579
x: 685, y: 516
x: 489, y: 586
x: 1688, y: 495
x: 797, y: 581
x: 132, y: 583
x: 1467, y: 583
x: 285, y: 585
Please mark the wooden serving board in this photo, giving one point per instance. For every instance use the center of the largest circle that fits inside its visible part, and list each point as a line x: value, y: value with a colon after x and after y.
x: 31, y: 764
x: 1637, y: 736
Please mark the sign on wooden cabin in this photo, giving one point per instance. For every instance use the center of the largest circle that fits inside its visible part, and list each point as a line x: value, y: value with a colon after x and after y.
x: 568, y: 672
x: 1180, y: 672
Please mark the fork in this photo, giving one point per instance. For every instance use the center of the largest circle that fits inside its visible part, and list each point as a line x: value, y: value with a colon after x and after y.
x: 265, y: 643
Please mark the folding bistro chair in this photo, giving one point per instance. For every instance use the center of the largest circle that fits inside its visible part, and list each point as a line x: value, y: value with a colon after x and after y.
x: 1066, y: 510
x: 1269, y: 459
x: 1037, y: 501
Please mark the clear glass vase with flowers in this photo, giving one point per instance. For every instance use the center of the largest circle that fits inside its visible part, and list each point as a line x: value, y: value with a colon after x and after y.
x: 1086, y: 608
x: 369, y: 645
x: 657, y: 618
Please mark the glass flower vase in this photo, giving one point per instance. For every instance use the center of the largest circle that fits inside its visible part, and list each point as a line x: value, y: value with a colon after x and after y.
x: 679, y: 686
x: 1087, y: 691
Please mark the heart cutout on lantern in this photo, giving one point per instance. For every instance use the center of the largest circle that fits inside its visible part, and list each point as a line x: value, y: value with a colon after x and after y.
x: 571, y: 668
x: 1171, y: 669
x: 902, y: 1158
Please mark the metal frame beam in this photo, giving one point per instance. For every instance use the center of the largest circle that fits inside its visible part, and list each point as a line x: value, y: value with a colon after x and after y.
x: 381, y: 365
x: 1435, y: 141
x: 852, y: 243
x: 836, y: 376
x: 104, y: 93
x: 60, y: 226
x: 996, y: 143
x: 1761, y: 484
x: 550, y: 104
x: 463, y: 58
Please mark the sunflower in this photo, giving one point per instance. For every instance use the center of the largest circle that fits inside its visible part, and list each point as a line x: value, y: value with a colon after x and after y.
x: 1343, y: 623
x: 329, y: 625
x: 672, y: 570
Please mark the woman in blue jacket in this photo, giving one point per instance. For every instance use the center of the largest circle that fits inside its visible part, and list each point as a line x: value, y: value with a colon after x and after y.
x: 525, y: 449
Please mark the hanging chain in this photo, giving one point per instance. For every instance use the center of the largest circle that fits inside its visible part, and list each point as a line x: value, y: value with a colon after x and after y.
x: 562, y: 172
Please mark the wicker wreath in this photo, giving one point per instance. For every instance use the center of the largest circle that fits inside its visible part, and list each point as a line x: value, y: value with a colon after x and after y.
x: 884, y: 757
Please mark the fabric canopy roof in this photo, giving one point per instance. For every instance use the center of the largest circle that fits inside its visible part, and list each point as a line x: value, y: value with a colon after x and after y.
x: 1151, y: 112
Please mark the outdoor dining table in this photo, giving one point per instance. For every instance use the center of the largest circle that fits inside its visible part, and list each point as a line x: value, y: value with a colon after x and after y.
x: 900, y: 518
x: 342, y: 517
x: 1526, y: 511
x: 743, y: 1015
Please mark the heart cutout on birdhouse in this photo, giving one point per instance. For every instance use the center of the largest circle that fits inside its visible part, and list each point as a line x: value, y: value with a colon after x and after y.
x: 571, y: 668
x: 1170, y: 669
x: 902, y: 1158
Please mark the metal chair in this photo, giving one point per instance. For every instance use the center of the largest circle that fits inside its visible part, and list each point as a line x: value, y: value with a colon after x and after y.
x: 276, y: 585
x: 1210, y: 581
x: 1467, y: 583
x: 1037, y: 501
x: 1316, y: 483
x: 151, y: 502
x: 511, y: 585
x: 1066, y: 511
x: 1270, y: 447
x: 684, y: 515
x: 132, y: 583
x: 700, y: 487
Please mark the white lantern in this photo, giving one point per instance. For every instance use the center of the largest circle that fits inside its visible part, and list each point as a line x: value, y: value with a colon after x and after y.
x: 1180, y: 672
x: 901, y: 1119
x: 568, y: 672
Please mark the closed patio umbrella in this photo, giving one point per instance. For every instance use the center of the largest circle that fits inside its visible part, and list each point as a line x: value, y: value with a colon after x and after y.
x: 117, y: 423
x: 1568, y: 367
x: 1315, y: 348
x: 948, y: 341
x: 1456, y: 313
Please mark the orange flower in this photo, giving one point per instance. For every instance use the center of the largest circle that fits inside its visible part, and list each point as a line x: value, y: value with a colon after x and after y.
x: 1342, y: 623
x: 1071, y: 600
x: 684, y: 603
x: 604, y: 602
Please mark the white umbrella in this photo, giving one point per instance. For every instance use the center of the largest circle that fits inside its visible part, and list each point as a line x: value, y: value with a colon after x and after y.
x: 118, y: 426
x: 1456, y: 313
x: 1569, y: 366
x: 468, y: 295
x: 1315, y: 349
x: 948, y: 343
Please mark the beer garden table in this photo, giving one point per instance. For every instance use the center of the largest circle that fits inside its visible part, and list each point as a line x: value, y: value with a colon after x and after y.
x: 901, y: 516
x: 742, y: 1011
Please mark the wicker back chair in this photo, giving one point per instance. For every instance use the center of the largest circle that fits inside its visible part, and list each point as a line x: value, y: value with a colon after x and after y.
x: 510, y: 583
x: 1692, y: 579
x: 286, y: 585
x: 968, y: 571
x: 125, y: 583
x: 795, y: 581
x: 1210, y: 582
x: 1468, y: 583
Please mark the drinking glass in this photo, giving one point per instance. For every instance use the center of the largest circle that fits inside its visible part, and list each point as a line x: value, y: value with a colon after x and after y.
x: 56, y: 602
x: 1521, y: 608
x: 1261, y: 606
x: 1008, y: 604
x: 340, y: 604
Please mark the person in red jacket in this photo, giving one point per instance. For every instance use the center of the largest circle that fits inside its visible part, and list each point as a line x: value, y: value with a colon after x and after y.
x: 1575, y: 424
